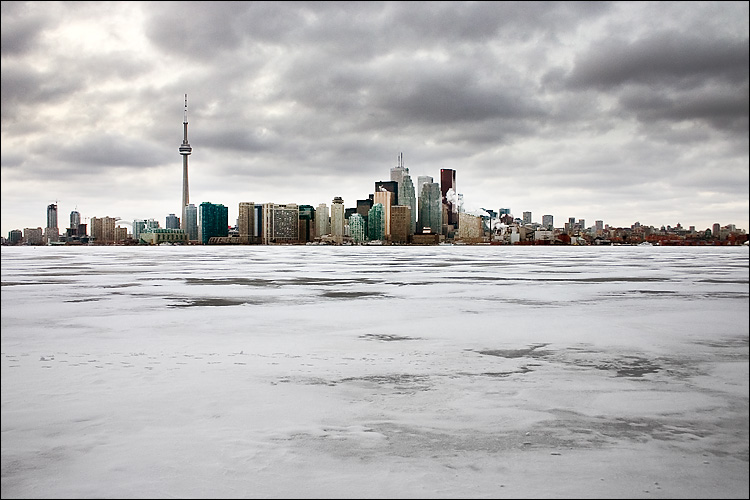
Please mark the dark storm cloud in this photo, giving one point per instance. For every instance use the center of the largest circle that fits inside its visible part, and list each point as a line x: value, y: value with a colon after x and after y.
x: 670, y: 76
x: 723, y: 108
x: 676, y: 59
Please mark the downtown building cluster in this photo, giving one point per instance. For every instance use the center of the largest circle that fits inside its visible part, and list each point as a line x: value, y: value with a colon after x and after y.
x: 396, y: 212
x: 386, y: 216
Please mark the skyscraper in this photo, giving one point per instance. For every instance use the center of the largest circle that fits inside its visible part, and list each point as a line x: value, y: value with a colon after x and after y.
x: 280, y: 223
x: 52, y: 233
x: 52, y: 215
x: 103, y: 230
x: 400, y: 224
x: 430, y: 207
x: 15, y: 237
x: 391, y: 186
x: 246, y: 223
x: 449, y: 194
x: 406, y: 195
x: 337, y: 219
x: 214, y: 221
x: 75, y: 219
x: 139, y: 226
x: 306, y: 223
x: 357, y: 228
x: 191, y: 214
x: 376, y: 222
x: 172, y: 222
x: 322, y: 222
x: 385, y: 199
x: 363, y: 208
x: 185, y: 151
x: 421, y: 181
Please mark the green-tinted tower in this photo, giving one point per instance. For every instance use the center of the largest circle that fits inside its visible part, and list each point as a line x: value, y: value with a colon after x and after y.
x: 214, y: 221
x: 376, y: 222
x: 357, y: 228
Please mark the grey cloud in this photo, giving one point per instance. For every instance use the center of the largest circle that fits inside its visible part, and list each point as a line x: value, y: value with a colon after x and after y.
x: 409, y: 91
x: 668, y: 58
x: 21, y: 28
x: 667, y: 78
x: 110, y: 66
x: 723, y: 108
x: 240, y: 139
x: 22, y: 85
x: 207, y: 30
x: 479, y: 21
x: 12, y: 159
x: 454, y: 99
x: 104, y: 150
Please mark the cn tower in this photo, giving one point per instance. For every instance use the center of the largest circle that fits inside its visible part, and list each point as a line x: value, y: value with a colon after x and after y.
x: 185, y: 150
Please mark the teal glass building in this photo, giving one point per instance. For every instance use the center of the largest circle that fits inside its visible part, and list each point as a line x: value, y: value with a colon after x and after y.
x: 357, y: 228
x: 376, y: 222
x: 214, y: 221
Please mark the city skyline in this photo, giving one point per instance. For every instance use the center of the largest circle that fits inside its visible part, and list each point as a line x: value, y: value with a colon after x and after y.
x: 537, y: 106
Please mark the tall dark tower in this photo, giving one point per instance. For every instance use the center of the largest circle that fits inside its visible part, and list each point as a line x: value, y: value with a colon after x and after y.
x: 185, y: 150
x: 448, y: 183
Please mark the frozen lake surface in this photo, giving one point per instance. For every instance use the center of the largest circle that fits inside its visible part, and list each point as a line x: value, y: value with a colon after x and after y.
x: 375, y: 372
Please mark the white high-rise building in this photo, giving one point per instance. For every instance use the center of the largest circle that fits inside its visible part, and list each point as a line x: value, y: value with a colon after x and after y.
x: 322, y: 221
x: 280, y: 223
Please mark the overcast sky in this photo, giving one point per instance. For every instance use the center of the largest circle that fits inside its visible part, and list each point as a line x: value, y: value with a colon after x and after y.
x: 621, y: 112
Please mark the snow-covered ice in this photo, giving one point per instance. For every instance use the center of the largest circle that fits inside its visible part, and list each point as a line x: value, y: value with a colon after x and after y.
x: 375, y: 372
